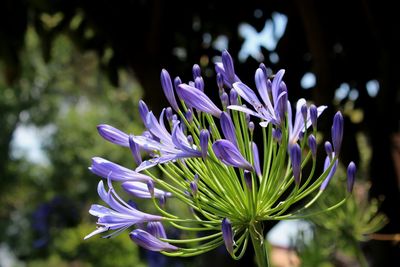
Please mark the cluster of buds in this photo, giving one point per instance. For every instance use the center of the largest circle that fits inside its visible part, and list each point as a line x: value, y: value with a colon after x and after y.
x: 210, y: 162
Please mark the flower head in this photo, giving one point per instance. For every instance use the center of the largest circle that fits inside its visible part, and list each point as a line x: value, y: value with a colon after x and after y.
x: 208, y: 160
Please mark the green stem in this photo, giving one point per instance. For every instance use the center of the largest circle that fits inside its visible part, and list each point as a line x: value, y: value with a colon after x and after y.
x: 257, y: 238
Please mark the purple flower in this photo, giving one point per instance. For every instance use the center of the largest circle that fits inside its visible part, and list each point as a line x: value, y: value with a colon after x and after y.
x: 169, y: 147
x: 197, y: 99
x: 168, y: 89
x: 226, y: 69
x: 113, y: 135
x: 196, y: 71
x: 312, y: 144
x: 150, y: 242
x: 199, y: 83
x: 230, y: 155
x: 227, y: 235
x: 298, y: 126
x: 331, y: 172
x: 256, y: 158
x: 141, y: 190
x: 135, y: 149
x: 351, y: 175
x: 313, y: 115
x: 194, y: 188
x: 143, y: 111
x: 270, y: 110
x: 119, y: 216
x: 228, y: 128
x: 233, y: 97
x: 156, y: 229
x: 248, y: 180
x: 115, y: 172
x: 328, y: 149
x: 337, y: 132
x: 295, y: 157
x: 204, y: 136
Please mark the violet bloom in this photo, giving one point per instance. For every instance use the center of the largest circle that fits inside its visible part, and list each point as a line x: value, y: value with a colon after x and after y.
x: 256, y: 158
x: 193, y: 97
x: 228, y: 128
x: 135, y: 149
x: 299, y: 124
x: 113, y: 135
x: 119, y: 216
x: 295, y: 157
x: 226, y: 69
x: 312, y: 144
x: 141, y: 190
x: 150, y: 242
x: 156, y: 229
x: 227, y: 235
x: 351, y: 175
x: 230, y: 155
x: 169, y: 148
x: 337, y: 132
x: 168, y: 89
x: 115, y: 172
x: 204, y: 137
x: 331, y: 172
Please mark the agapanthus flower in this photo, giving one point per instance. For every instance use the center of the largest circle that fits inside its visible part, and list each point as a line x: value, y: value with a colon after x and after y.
x: 209, y: 159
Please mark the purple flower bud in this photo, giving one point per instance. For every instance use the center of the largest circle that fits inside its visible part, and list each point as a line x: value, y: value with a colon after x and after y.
x: 193, y: 188
x: 189, y: 116
x: 177, y: 82
x: 168, y: 89
x: 199, y: 83
x: 351, y: 175
x: 156, y: 229
x: 251, y: 127
x: 197, y: 99
x: 337, y: 132
x: 150, y: 242
x: 143, y: 111
x: 150, y: 187
x: 330, y: 174
x: 233, y: 97
x: 196, y: 71
x: 227, y: 61
x: 169, y: 114
x: 190, y: 140
x: 277, y: 134
x: 220, y: 81
x: 328, y: 149
x: 228, y: 128
x: 115, y: 172
x: 204, y: 136
x: 144, y: 190
x: 267, y: 72
x: 312, y: 144
x: 301, y: 135
x: 196, y: 177
x: 230, y: 155
x: 227, y: 235
x: 304, y: 111
x: 162, y: 200
x: 224, y: 100
x: 256, y: 158
x: 248, y: 180
x: 313, y: 116
x: 295, y: 157
x: 135, y: 149
x: 113, y: 135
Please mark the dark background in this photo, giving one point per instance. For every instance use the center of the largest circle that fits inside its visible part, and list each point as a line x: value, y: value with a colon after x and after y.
x: 339, y: 41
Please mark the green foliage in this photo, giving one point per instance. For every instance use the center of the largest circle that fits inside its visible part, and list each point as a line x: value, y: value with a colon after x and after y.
x: 70, y: 95
x: 338, y: 234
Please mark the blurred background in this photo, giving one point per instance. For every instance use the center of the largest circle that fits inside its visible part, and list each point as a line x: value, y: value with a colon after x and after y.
x: 68, y: 65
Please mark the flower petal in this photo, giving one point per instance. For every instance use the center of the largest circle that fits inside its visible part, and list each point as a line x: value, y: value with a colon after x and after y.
x: 197, y: 99
x: 150, y: 242
x: 230, y: 155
